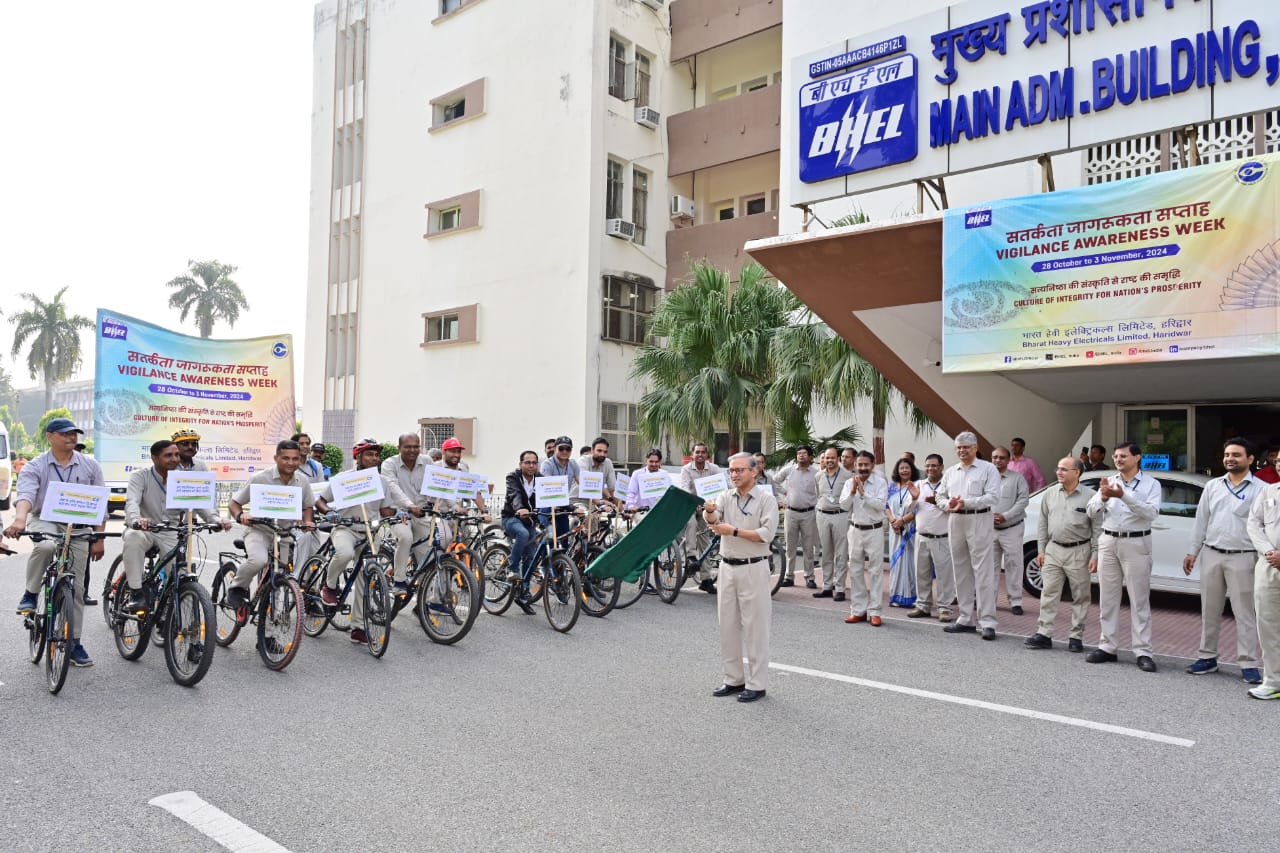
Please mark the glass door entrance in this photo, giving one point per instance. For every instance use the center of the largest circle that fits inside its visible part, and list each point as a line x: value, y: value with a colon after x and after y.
x: 1163, y: 433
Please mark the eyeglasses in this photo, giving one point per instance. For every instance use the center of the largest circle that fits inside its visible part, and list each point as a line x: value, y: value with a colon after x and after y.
x: 188, y: 444
x: 564, y: 447
x: 739, y: 470
x: 528, y: 461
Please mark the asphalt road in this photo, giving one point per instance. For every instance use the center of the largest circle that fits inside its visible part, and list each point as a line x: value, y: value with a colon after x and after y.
x: 607, y: 738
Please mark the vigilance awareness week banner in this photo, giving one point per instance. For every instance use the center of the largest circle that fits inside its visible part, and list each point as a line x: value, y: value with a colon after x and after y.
x: 151, y: 382
x: 1177, y: 265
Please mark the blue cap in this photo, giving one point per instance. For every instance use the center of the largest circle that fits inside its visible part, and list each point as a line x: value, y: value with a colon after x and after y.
x: 62, y: 425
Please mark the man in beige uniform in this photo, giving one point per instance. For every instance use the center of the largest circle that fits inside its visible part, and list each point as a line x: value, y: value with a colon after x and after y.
x: 145, y: 506
x: 406, y: 470
x: 1008, y: 514
x: 968, y: 491
x: 1067, y: 549
x: 800, y: 481
x: 1264, y: 532
x: 865, y: 495
x: 695, y: 536
x: 746, y: 518
x: 833, y: 526
x: 933, y: 550
x: 257, y: 541
x: 1220, y: 541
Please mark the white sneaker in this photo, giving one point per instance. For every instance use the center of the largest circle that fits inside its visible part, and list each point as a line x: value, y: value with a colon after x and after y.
x: 1263, y: 692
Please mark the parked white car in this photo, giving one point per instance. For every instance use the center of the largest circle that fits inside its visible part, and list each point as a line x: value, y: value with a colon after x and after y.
x: 1171, y: 531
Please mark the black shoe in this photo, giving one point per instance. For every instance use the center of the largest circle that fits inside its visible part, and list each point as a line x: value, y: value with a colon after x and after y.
x: 1017, y: 610
x: 917, y: 613
x: 826, y: 593
x: 1038, y: 641
x: 90, y: 601
x: 1075, y: 645
x: 237, y: 598
x: 523, y: 601
x: 788, y: 582
x: 1146, y: 664
x: 988, y: 633
x: 839, y: 596
x: 750, y: 695
x: 957, y: 628
x: 136, y: 601
x: 708, y: 586
x: 1099, y: 656
x: 811, y: 583
x: 728, y: 689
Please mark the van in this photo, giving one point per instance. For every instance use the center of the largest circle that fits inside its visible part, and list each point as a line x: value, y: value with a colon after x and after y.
x: 7, y: 483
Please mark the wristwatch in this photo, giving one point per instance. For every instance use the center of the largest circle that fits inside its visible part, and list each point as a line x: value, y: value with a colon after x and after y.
x: 735, y: 531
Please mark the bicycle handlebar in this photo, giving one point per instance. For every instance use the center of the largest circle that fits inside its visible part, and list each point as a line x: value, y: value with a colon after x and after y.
x: 168, y: 526
x: 90, y: 535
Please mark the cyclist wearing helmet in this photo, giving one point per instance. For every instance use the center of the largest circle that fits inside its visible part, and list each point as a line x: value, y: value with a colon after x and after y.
x: 368, y: 454
x: 188, y: 441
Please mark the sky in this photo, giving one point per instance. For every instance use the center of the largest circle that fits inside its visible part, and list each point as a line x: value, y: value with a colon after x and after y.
x: 141, y: 135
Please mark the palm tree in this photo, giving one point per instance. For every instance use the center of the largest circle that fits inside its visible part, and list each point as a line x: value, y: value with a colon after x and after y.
x: 209, y: 293
x: 710, y: 366
x: 54, y: 340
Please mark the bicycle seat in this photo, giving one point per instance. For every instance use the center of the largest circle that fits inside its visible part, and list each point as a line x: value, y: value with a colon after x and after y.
x: 239, y: 543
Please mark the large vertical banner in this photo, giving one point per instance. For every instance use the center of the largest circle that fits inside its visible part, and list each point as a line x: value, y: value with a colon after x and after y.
x: 1167, y: 267
x: 150, y: 382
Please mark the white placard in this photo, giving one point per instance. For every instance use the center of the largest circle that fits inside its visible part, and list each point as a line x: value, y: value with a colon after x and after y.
x: 624, y: 484
x: 653, y: 485
x: 351, y: 488
x: 440, y: 482
x: 708, y: 487
x: 266, y: 501
x: 72, y: 503
x: 470, y: 485
x: 591, y: 485
x: 551, y: 491
x: 191, y: 490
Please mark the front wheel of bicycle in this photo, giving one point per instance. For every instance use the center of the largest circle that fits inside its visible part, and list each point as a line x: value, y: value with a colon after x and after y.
x: 227, y: 626
x: 35, y: 636
x: 315, y: 616
x: 375, y: 594
x: 599, y: 595
x: 562, y: 593
x: 129, y: 629
x: 60, y: 641
x: 499, y: 581
x: 188, y: 651
x: 668, y: 573
x: 448, y: 601
x: 113, y: 582
x: 279, y: 621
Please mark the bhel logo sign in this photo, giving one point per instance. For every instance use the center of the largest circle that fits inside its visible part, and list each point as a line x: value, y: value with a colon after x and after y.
x: 858, y: 121
x: 114, y: 329
x: 978, y: 218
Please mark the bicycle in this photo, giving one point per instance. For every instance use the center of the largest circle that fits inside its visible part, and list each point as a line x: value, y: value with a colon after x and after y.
x: 552, y: 577
x: 368, y: 566
x: 50, y: 626
x: 444, y: 588
x: 599, y: 595
x: 711, y: 554
x: 275, y: 606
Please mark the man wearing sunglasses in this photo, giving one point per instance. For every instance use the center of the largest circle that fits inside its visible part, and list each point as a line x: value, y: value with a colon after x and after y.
x: 188, y: 441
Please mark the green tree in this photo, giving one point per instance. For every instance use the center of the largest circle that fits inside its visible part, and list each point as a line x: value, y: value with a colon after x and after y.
x: 8, y: 394
x: 335, y: 458
x: 709, y: 365
x: 41, y: 437
x: 19, y: 440
x: 52, y: 339
x: 209, y: 294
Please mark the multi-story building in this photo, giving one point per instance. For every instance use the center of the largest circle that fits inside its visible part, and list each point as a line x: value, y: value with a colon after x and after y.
x: 77, y: 397
x: 502, y: 192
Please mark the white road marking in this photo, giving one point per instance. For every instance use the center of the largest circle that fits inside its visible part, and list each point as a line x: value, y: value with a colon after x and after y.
x: 988, y: 706
x: 215, y: 823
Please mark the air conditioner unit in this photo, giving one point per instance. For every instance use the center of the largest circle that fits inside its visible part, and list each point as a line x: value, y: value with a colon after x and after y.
x: 620, y: 228
x: 681, y: 207
x: 648, y: 116
x: 653, y: 4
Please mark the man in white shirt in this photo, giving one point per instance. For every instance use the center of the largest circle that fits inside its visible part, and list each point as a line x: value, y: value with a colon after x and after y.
x: 1010, y: 511
x: 406, y: 469
x: 696, y: 536
x: 864, y: 497
x: 1264, y: 533
x: 799, y: 479
x: 1126, y: 503
x: 833, y: 526
x: 933, y: 553
x: 968, y: 492
x: 1220, y: 540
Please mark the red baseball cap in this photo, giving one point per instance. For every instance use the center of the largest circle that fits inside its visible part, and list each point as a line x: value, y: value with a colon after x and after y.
x: 452, y: 444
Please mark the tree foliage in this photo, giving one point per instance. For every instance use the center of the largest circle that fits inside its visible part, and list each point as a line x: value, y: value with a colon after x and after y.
x: 208, y: 294
x: 52, y: 339
x: 41, y: 437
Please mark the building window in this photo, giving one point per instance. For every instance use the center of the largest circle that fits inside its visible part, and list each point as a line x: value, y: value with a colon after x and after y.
x: 613, y: 190
x: 617, y: 67
x: 464, y: 102
x: 455, y: 213
x: 628, y: 309
x: 752, y: 442
x: 753, y: 204
x: 449, y: 326
x: 723, y: 209
x: 447, y: 6
x: 725, y: 94
x: 436, y: 431
x: 643, y: 77
x: 619, y: 425
x: 639, y: 203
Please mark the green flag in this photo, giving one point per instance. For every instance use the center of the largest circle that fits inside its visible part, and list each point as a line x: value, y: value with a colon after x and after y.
x: 631, y: 555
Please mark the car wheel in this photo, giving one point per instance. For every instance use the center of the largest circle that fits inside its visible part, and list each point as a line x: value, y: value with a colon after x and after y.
x: 1032, y: 581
